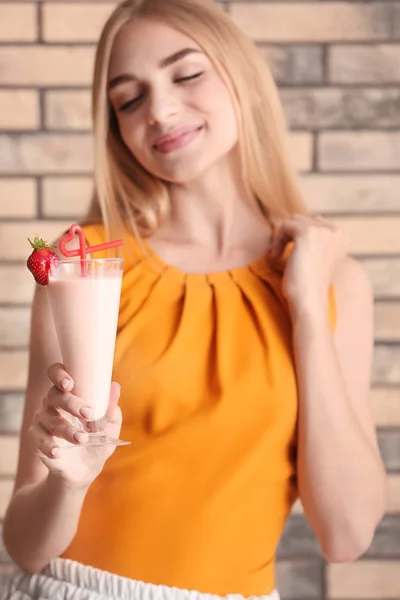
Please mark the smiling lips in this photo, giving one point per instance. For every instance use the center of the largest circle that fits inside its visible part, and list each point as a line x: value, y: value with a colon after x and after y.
x: 178, y: 138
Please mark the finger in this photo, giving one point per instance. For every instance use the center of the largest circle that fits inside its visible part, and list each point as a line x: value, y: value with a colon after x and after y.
x: 52, y: 422
x: 300, y: 217
x: 287, y: 232
x: 115, y: 420
x: 322, y: 221
x: 114, y: 415
x: 315, y: 220
x: 114, y: 412
x: 67, y: 402
x: 42, y: 442
x: 60, y: 378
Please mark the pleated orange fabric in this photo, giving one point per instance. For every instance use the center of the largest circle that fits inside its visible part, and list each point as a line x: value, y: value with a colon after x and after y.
x: 209, y: 399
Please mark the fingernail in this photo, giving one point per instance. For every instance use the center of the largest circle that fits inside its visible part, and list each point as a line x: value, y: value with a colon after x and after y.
x: 54, y: 452
x: 80, y: 436
x: 64, y: 383
x: 86, y: 412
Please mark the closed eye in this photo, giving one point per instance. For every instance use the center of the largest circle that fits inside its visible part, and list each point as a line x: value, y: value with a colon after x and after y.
x: 135, y: 101
x: 130, y: 103
x: 189, y: 78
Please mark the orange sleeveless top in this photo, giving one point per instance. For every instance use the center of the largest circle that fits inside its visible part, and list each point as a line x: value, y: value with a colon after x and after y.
x: 208, y: 394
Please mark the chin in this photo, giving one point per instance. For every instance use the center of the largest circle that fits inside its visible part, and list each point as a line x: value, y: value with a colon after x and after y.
x: 186, y: 172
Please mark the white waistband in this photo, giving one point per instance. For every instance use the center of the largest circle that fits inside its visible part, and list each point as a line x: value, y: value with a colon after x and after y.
x: 69, y: 580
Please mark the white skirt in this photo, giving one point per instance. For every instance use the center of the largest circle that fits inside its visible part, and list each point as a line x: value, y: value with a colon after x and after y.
x: 68, y: 580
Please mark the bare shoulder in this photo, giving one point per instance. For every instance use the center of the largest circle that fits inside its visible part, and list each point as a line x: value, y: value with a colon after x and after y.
x: 352, y: 282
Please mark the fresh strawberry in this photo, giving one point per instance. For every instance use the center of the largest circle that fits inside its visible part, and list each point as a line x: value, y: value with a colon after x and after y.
x: 41, y: 260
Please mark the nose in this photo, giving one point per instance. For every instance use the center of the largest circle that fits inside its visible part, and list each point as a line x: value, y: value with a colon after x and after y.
x: 162, y: 106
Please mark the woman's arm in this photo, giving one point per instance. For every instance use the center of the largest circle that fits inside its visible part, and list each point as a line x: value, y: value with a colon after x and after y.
x: 43, y: 514
x: 41, y: 521
x: 341, y: 478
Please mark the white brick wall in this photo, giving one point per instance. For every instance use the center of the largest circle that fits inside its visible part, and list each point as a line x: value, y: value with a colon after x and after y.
x: 337, y: 65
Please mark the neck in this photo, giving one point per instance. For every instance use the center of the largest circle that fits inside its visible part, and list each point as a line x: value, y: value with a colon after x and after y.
x: 215, y: 211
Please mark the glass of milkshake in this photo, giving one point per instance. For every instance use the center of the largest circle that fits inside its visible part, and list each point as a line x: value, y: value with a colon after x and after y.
x: 84, y: 297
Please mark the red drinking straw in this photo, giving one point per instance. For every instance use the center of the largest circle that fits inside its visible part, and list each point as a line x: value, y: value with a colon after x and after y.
x: 83, y: 248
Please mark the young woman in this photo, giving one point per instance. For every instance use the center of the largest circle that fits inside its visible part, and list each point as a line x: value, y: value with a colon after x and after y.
x: 243, y: 350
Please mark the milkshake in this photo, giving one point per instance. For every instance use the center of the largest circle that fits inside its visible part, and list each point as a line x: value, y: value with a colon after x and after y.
x: 84, y: 297
x: 85, y: 313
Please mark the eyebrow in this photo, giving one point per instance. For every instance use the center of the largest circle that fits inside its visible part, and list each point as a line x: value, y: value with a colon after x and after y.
x: 165, y: 62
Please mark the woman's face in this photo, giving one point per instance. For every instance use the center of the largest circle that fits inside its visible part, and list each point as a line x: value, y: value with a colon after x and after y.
x: 174, y: 112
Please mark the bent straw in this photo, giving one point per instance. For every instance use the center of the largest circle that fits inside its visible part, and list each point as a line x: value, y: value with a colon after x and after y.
x: 83, y: 248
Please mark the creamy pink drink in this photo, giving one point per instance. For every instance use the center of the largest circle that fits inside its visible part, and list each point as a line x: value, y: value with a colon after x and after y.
x: 85, y: 312
x: 84, y: 299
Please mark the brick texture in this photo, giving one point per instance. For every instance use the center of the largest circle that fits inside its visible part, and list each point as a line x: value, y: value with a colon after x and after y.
x: 43, y: 65
x: 337, y: 66
x: 330, y: 22
x: 19, y: 110
x: 6, y: 486
x: 16, y: 285
x: 8, y: 454
x: 45, y: 153
x: 22, y: 193
x: 72, y: 22
x: 14, y: 368
x: 385, y: 404
x: 333, y: 108
x: 378, y: 64
x: 67, y: 110
x: 368, y: 580
x: 9, y: 232
x: 394, y: 494
x: 359, y: 151
x: 64, y: 197
x: 11, y: 407
x: 18, y: 22
x: 348, y: 193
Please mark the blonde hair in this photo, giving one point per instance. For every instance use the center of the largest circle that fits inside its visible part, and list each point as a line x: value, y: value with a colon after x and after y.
x: 125, y: 194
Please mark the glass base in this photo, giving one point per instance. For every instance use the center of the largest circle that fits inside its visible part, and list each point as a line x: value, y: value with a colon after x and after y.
x: 96, y: 435
x: 100, y: 439
x: 96, y: 440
